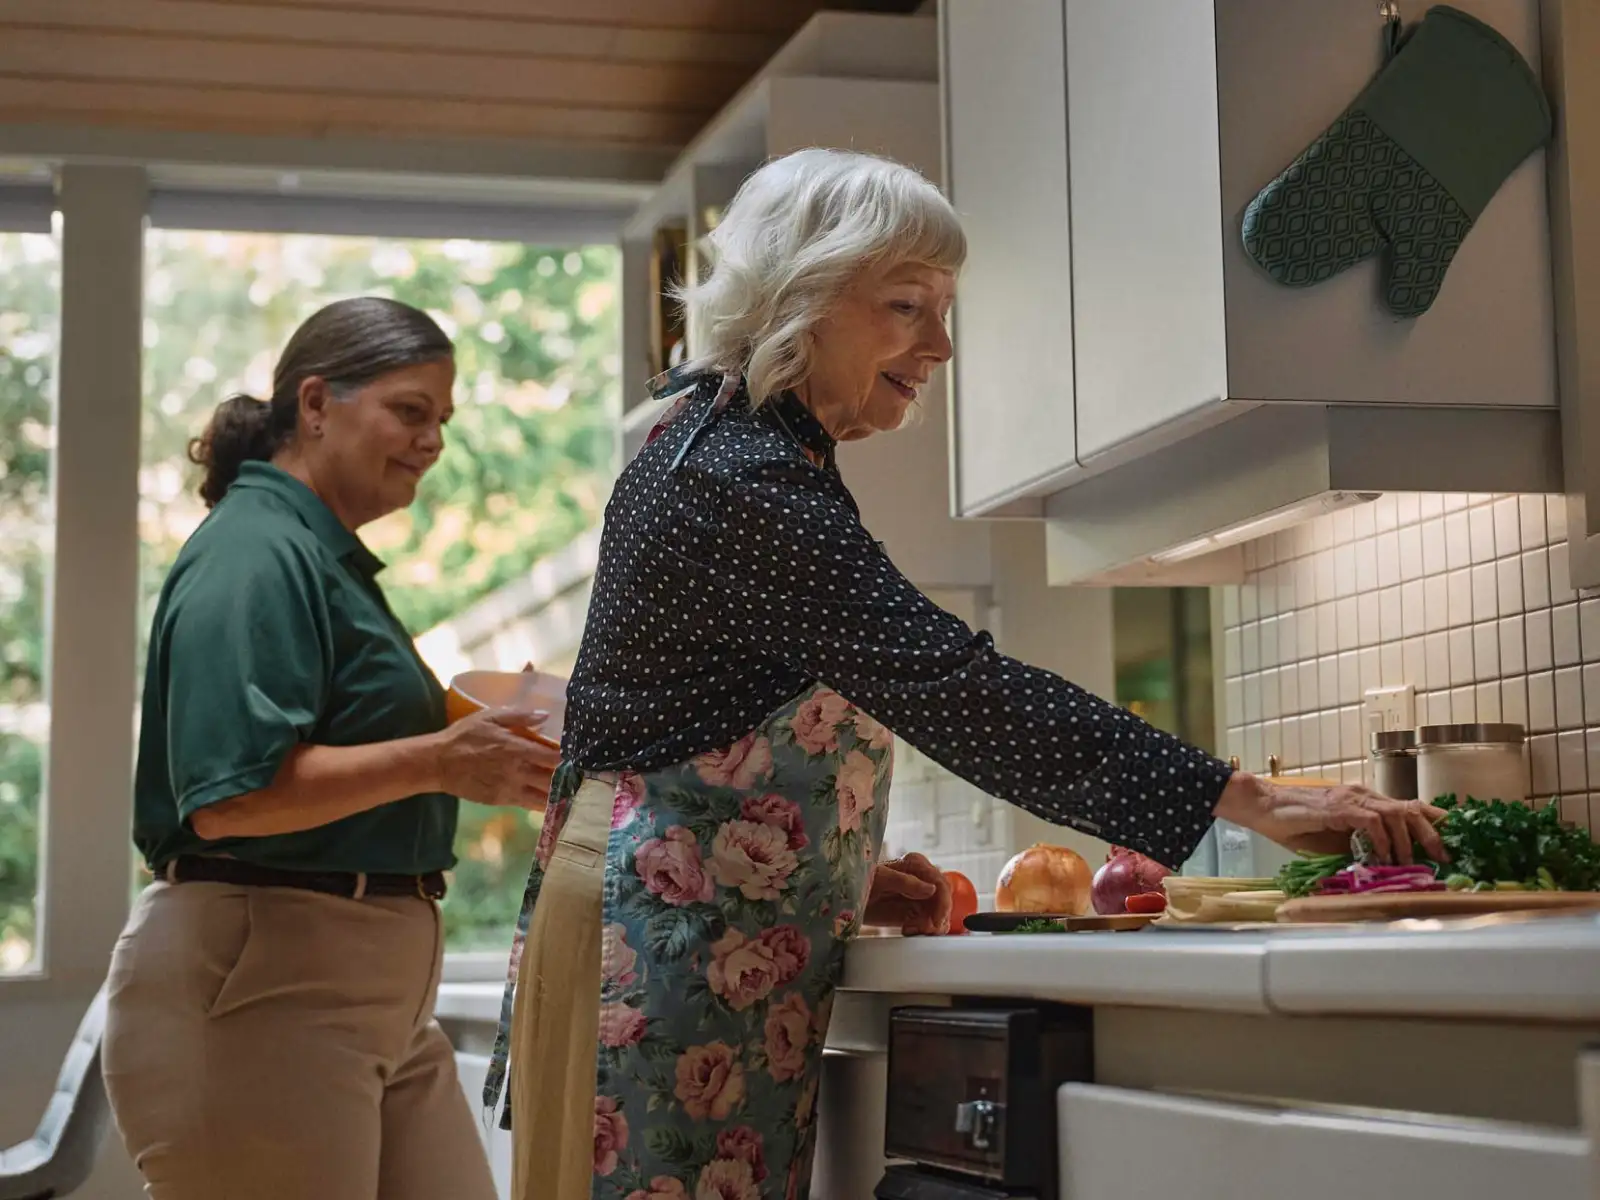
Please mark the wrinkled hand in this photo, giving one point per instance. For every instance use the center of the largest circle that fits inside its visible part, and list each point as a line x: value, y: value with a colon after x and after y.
x: 1322, y: 819
x: 484, y: 758
x: 909, y: 894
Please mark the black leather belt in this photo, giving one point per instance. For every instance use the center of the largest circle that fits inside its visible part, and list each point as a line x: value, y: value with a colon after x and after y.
x: 352, y: 884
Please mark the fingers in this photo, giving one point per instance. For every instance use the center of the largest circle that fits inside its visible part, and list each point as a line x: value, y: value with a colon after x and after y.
x: 893, y: 881
x: 1421, y: 819
x: 1398, y: 832
x: 517, y: 718
x: 1370, y: 822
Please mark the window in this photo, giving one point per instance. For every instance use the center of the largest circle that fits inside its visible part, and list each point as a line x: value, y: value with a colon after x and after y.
x: 30, y: 286
x: 528, y: 458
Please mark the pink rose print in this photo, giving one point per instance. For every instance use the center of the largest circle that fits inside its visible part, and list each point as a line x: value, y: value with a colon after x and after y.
x: 871, y: 732
x: 790, y: 950
x: 710, y: 1082
x: 610, y: 1134
x: 780, y: 811
x: 739, y: 766
x: 854, y: 787
x: 816, y: 722
x: 621, y: 1026
x: 844, y: 923
x: 788, y: 1034
x: 754, y: 858
x: 742, y: 970
x: 616, y: 956
x: 727, y: 1179
x: 745, y: 1144
x: 662, y: 1187
x: 670, y: 867
x: 630, y: 794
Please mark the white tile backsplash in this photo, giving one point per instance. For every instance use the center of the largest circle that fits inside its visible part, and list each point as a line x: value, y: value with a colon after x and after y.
x: 1466, y: 598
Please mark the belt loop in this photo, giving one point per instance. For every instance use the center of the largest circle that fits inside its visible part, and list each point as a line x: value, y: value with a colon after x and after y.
x: 172, y: 870
x: 361, y: 886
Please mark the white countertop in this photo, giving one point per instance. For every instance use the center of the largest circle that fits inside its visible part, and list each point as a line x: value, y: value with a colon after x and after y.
x: 1542, y: 970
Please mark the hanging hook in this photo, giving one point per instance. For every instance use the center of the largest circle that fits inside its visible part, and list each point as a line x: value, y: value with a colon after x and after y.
x: 1393, y: 28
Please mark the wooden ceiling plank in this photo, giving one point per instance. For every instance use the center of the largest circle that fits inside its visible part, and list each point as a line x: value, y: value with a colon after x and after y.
x: 266, y: 22
x: 104, y: 56
x: 757, y: 16
x: 314, y: 114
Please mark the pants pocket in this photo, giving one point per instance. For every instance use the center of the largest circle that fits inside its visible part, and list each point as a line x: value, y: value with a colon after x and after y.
x: 228, y: 955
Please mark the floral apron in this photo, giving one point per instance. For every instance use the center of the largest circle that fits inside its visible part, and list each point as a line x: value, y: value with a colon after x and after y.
x: 715, y: 935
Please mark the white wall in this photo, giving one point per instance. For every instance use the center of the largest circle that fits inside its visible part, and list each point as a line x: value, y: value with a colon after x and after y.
x: 1065, y: 630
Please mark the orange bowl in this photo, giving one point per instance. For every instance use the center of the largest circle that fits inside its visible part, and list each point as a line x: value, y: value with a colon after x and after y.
x: 474, y: 691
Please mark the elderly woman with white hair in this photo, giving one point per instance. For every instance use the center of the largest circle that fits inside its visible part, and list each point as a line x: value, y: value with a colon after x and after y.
x: 712, y: 841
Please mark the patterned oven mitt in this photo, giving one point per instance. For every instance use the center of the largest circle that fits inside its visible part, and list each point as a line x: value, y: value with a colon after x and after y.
x: 1409, y: 165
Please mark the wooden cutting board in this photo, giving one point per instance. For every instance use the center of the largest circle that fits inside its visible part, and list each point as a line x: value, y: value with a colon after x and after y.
x: 1400, y: 906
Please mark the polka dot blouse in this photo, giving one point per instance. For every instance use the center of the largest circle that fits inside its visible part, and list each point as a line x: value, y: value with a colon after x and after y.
x: 735, y: 572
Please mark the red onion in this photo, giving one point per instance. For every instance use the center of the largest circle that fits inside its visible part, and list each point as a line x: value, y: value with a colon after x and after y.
x: 1124, y: 874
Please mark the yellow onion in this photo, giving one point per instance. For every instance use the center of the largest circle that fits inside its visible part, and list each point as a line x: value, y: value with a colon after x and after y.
x: 1045, y: 879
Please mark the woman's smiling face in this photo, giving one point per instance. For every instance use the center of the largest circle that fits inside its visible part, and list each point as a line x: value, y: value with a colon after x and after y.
x: 877, y: 347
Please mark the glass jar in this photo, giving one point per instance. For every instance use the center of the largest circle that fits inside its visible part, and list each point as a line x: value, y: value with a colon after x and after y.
x: 1394, y: 763
x: 1486, y: 762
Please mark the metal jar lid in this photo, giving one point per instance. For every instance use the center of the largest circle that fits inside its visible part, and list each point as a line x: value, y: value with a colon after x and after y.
x: 1393, y: 741
x: 1470, y: 735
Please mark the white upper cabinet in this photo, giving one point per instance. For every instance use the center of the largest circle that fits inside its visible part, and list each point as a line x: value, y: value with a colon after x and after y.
x: 1149, y: 329
x: 1123, y: 369
x: 1004, y: 75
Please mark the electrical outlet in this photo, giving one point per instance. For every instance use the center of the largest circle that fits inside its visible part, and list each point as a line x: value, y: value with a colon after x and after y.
x: 1389, y: 708
x: 930, y: 831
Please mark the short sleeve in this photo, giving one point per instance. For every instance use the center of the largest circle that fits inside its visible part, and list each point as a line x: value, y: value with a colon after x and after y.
x: 780, y: 562
x: 246, y: 669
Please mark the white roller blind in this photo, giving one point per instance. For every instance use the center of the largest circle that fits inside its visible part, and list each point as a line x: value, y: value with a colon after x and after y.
x: 26, y: 208
x: 259, y: 212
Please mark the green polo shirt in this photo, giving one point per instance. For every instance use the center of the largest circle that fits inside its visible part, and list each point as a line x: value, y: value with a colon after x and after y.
x: 271, y: 631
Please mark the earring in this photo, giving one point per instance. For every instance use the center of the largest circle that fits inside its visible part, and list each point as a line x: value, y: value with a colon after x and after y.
x: 316, y: 431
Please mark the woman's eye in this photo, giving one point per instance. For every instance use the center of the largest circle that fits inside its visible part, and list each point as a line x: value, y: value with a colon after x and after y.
x: 906, y: 307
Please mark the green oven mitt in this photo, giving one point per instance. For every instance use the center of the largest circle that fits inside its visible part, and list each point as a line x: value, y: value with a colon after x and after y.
x: 1409, y: 165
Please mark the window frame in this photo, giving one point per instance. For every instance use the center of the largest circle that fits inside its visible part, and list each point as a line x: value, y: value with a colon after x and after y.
x: 93, y: 604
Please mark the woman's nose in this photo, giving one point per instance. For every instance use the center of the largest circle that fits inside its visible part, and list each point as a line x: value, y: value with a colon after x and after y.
x: 938, y: 345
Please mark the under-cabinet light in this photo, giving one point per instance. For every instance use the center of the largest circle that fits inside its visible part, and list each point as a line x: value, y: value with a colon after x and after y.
x: 1256, y: 527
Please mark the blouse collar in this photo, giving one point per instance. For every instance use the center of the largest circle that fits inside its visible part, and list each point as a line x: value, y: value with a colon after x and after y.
x: 795, y: 417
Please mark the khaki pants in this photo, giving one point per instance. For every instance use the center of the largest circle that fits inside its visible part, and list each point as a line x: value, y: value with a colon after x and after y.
x: 277, y: 1043
x: 555, y: 1024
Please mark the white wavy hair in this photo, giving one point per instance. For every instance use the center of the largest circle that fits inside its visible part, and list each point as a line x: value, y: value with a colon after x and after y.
x: 798, y: 231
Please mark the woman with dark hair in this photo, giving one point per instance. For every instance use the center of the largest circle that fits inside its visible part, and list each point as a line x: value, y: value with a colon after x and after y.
x: 270, y: 1029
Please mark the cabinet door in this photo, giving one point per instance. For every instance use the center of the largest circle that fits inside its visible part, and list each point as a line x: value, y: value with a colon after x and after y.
x: 1148, y: 323
x: 1005, y: 125
x: 1118, y: 1143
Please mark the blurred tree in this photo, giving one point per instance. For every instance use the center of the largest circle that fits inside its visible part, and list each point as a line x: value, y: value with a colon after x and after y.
x: 526, y: 467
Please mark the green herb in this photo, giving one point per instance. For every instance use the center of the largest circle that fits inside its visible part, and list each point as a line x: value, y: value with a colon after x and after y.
x: 1493, y: 845
x: 1497, y: 843
x: 1301, y: 876
x: 1040, y: 925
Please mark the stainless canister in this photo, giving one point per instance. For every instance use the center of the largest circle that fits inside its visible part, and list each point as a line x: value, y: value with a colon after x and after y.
x: 1487, y: 762
x: 1394, y: 763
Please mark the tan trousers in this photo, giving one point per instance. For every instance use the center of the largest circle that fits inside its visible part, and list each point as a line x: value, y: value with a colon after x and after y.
x: 278, y: 1044
x: 555, y: 1024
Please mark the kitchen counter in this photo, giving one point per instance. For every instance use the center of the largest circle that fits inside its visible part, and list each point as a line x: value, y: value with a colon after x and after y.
x: 1477, y: 1029
x: 1540, y: 970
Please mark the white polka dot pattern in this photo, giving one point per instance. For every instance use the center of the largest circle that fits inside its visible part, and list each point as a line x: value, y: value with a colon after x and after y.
x: 727, y: 587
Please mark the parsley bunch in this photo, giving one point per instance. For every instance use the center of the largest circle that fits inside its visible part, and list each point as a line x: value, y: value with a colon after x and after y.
x: 1496, y: 842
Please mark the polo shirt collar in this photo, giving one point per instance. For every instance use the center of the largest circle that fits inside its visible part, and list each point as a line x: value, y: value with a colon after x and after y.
x: 312, y: 512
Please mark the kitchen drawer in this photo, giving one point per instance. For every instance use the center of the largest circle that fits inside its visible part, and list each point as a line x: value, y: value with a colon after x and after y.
x: 1117, y: 1144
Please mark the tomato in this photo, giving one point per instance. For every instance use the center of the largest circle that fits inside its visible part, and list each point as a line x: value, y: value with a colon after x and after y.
x: 963, y: 900
x: 1147, y: 902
